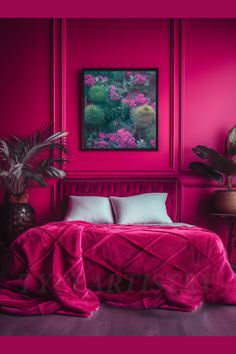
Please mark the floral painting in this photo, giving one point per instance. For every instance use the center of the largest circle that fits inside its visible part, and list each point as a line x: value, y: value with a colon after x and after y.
x: 119, y: 109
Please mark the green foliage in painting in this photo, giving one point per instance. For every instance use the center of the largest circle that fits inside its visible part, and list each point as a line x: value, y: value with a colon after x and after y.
x: 143, y: 116
x: 97, y: 94
x: 94, y: 116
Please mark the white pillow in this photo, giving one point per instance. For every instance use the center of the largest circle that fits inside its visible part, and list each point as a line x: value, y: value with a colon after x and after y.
x: 148, y: 208
x: 96, y: 210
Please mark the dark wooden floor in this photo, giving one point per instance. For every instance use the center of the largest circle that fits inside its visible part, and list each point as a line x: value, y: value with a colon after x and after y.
x: 113, y: 321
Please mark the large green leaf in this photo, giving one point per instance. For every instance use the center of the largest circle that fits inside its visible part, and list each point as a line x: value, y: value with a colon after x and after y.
x: 57, y: 136
x: 4, y: 150
x: 217, y: 161
x: 3, y: 173
x: 37, y: 177
x: 203, y: 151
x: 207, y: 170
x: 230, y: 142
x: 54, y: 172
x: 42, y: 165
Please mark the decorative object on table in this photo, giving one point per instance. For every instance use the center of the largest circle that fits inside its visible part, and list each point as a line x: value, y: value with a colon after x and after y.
x: 119, y: 109
x: 22, y: 161
x: 221, y: 169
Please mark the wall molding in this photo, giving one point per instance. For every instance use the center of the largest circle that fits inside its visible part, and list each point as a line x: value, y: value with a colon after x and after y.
x: 55, y: 94
x: 172, y: 155
x: 182, y: 51
x: 55, y: 62
x: 63, y: 73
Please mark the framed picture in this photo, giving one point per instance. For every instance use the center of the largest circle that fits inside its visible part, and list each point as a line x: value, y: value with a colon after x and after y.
x: 119, y: 109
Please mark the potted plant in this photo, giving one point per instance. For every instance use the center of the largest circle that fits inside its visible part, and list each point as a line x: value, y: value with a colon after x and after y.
x: 22, y: 161
x: 221, y: 168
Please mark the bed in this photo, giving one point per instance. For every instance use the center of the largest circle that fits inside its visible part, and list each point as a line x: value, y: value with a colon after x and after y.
x: 69, y: 267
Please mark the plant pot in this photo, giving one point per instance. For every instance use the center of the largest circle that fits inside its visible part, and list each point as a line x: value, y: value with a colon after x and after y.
x: 225, y: 201
x: 18, y: 199
x: 16, y: 216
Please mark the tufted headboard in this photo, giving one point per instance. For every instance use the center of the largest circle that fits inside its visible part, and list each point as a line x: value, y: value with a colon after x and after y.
x: 122, y: 187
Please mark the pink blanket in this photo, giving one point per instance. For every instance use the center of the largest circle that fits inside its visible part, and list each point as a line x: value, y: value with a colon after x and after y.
x: 69, y: 267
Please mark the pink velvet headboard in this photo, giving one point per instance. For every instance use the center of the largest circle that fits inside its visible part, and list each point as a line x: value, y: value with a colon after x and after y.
x: 122, y: 187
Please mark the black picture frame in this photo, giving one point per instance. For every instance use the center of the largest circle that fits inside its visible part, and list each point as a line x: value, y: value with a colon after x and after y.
x: 130, y: 96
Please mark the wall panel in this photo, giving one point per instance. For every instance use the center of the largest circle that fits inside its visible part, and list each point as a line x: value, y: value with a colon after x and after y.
x: 25, y: 88
x: 117, y: 44
x: 208, y: 84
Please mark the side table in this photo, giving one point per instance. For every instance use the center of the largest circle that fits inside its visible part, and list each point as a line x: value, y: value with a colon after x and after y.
x: 231, y: 218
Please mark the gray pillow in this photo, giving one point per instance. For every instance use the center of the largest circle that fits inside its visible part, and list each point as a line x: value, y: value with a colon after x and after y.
x: 96, y: 210
x: 148, y: 208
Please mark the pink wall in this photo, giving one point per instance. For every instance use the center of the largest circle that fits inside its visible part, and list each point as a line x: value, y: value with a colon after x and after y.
x: 41, y: 62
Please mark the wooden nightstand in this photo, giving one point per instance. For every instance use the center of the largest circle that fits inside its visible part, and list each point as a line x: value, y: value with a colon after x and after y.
x: 231, y: 218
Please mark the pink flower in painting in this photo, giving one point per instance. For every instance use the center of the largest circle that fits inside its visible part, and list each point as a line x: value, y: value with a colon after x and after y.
x: 125, y: 139
x: 122, y: 142
x: 139, y: 79
x: 153, y: 142
x: 154, y: 105
x: 122, y: 138
x: 102, y: 78
x: 103, y: 143
x: 132, y: 103
x: 102, y: 135
x: 112, y: 137
x: 123, y: 133
x: 120, y: 131
x: 129, y: 73
x: 113, y: 94
x: 89, y: 80
x: 140, y: 99
x: 125, y: 101
x: 131, y: 143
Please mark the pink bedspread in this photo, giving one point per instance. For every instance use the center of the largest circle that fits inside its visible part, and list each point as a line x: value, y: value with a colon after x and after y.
x: 69, y: 267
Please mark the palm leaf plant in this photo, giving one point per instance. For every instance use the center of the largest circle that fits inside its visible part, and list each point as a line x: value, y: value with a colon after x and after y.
x: 220, y: 168
x: 31, y: 159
